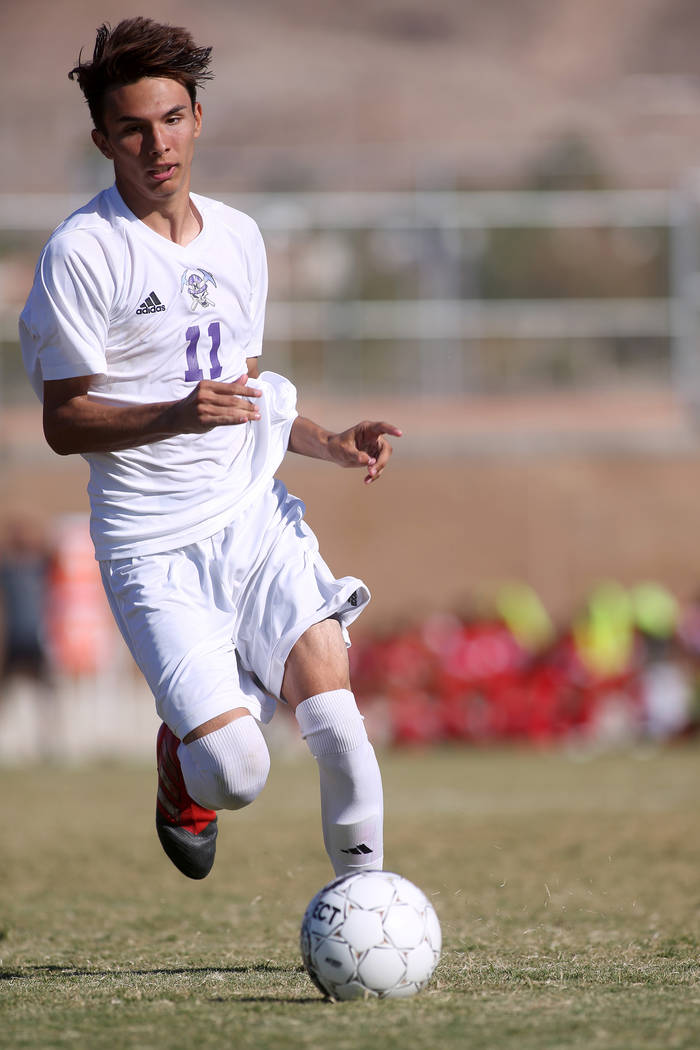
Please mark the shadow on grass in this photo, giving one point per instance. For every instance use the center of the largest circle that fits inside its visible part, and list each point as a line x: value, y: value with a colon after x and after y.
x: 172, y: 971
x: 31, y: 972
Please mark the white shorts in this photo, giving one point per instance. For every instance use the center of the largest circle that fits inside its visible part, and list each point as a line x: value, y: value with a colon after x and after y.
x: 204, y: 622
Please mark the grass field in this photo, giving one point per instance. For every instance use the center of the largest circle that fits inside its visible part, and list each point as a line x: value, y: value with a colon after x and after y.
x: 567, y: 889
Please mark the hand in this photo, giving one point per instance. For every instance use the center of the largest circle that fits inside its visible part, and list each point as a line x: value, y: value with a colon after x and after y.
x: 363, y: 445
x: 213, y: 404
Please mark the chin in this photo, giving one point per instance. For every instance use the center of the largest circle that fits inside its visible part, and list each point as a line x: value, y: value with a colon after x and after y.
x: 165, y: 189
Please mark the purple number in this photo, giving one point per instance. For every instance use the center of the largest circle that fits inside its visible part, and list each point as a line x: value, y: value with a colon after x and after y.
x: 194, y: 373
x: 215, y: 336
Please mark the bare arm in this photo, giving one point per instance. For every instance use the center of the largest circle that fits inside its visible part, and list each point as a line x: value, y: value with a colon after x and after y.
x: 363, y: 445
x: 75, y: 423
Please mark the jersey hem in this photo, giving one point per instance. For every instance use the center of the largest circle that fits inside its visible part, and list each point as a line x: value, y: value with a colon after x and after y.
x: 201, y: 531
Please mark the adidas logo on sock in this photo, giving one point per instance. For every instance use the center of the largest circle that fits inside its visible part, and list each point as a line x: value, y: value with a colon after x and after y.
x: 151, y: 305
x: 357, y: 851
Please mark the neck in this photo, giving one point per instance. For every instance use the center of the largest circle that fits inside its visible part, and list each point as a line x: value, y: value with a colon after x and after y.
x: 176, y: 219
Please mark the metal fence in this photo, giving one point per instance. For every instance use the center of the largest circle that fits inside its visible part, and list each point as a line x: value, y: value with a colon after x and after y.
x: 405, y: 291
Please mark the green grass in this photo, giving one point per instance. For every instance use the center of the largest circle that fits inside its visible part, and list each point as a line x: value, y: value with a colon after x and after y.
x: 568, y: 893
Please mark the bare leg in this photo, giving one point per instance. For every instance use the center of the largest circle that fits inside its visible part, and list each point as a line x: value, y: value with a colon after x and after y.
x: 215, y: 723
x: 317, y: 664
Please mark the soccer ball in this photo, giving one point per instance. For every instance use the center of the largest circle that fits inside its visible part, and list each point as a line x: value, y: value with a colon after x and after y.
x: 372, y: 933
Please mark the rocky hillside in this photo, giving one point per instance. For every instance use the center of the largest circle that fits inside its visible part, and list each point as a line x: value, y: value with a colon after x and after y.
x: 385, y: 93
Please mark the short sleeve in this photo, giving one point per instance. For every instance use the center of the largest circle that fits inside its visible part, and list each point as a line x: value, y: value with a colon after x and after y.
x: 64, y: 325
x: 257, y: 275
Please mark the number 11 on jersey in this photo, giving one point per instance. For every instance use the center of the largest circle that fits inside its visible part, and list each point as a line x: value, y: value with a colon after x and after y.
x: 194, y: 373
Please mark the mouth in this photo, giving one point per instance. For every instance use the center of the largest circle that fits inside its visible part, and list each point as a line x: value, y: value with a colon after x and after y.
x: 162, y: 174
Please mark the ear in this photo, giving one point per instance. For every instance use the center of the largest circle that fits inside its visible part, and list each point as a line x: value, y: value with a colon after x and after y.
x: 102, y: 144
x: 197, y: 119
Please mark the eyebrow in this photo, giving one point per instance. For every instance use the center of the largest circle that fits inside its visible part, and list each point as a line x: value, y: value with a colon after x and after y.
x: 139, y: 120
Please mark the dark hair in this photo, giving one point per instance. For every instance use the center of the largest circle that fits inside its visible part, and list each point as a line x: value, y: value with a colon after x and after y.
x: 136, y: 48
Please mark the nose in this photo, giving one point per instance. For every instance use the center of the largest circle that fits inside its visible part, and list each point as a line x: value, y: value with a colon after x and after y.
x: 157, y: 145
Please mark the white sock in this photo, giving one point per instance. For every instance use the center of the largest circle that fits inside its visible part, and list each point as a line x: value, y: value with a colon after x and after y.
x: 226, y: 769
x: 351, y: 784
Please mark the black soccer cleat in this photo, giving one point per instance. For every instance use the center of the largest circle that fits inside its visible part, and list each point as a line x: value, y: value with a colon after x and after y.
x: 187, y: 831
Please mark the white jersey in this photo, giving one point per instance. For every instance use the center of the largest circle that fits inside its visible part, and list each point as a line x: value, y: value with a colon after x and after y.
x: 148, y: 319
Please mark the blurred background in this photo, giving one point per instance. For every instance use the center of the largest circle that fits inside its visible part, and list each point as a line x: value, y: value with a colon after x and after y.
x: 482, y: 224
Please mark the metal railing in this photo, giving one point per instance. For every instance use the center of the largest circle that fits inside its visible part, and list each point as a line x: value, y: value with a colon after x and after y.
x: 446, y: 326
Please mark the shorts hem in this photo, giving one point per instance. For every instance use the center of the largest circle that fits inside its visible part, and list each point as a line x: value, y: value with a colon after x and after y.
x: 339, y: 607
x: 204, y: 712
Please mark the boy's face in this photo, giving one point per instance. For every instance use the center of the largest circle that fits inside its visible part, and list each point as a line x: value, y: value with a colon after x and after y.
x: 149, y: 133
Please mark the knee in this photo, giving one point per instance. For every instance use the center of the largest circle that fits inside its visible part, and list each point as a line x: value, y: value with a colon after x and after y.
x: 227, y: 769
x: 241, y: 784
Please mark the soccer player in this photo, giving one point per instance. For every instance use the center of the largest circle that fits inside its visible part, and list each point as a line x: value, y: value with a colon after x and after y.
x: 142, y: 334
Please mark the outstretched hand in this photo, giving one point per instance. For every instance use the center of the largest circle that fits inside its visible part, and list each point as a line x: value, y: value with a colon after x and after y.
x: 363, y: 445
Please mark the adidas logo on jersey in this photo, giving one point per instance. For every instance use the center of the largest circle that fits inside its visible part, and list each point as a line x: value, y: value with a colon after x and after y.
x: 151, y: 305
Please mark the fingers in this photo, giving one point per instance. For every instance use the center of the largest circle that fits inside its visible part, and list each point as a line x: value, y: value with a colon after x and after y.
x: 376, y: 464
x: 379, y: 450
x: 232, y: 400
x: 386, y: 428
x: 365, y: 445
x: 241, y: 386
x: 212, y: 404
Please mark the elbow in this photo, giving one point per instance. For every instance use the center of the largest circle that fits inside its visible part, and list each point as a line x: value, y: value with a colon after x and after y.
x: 57, y: 441
x: 64, y: 415
x: 59, y: 449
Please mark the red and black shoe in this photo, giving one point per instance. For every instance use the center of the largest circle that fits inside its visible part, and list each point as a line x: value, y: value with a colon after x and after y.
x: 187, y: 831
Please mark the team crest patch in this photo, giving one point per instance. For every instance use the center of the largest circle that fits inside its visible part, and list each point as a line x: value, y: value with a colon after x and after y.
x: 197, y: 283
